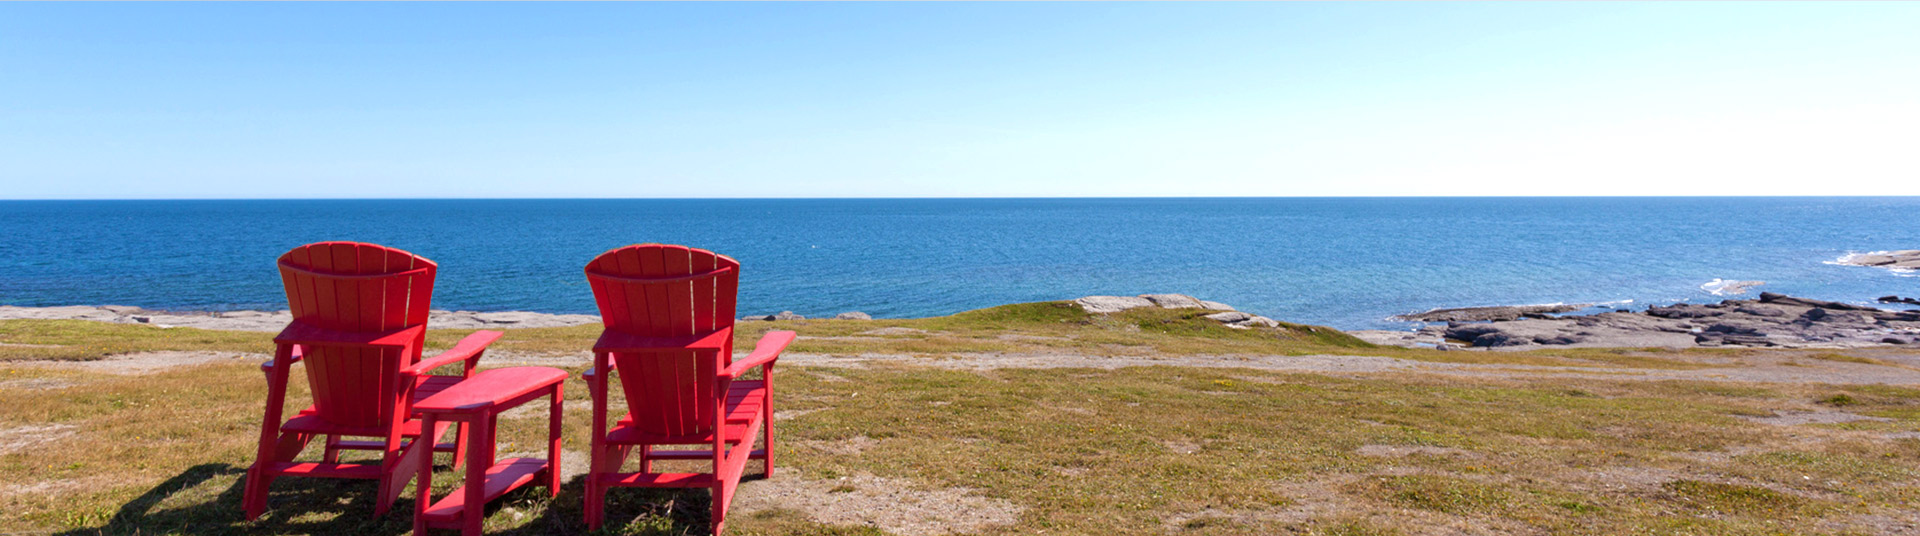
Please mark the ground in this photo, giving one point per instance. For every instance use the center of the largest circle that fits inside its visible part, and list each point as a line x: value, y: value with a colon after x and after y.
x: 1037, y: 418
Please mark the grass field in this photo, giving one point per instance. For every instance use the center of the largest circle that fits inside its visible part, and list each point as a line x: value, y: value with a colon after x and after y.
x: 896, y: 447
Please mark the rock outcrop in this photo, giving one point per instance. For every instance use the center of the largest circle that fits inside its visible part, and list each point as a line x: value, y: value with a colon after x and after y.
x: 1230, y: 318
x: 1908, y: 259
x: 1488, y: 314
x: 853, y: 315
x: 1772, y: 320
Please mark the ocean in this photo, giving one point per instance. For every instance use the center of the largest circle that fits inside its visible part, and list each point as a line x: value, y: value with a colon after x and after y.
x: 1345, y: 262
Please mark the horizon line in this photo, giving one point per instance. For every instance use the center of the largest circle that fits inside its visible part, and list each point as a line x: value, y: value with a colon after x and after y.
x: 897, y: 198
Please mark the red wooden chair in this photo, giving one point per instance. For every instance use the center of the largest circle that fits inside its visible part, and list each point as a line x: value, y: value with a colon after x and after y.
x: 359, y: 319
x: 669, y: 312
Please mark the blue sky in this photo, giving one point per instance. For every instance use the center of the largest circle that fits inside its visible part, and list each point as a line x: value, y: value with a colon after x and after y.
x: 957, y: 99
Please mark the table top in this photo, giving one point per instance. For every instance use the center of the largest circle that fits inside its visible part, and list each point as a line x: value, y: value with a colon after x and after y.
x: 490, y: 387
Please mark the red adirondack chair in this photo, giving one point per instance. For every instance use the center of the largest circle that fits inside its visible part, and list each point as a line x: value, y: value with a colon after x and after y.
x: 668, y: 312
x: 359, y: 319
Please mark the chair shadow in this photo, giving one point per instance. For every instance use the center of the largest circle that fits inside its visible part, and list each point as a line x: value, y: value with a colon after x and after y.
x: 340, y: 506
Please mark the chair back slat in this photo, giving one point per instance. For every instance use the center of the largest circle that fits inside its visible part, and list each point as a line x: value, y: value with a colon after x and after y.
x: 656, y: 290
x: 350, y: 286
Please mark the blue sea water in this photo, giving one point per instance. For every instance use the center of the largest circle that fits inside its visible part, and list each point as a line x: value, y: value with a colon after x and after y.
x: 1345, y: 262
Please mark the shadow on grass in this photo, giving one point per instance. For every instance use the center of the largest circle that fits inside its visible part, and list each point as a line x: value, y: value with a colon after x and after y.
x: 182, y: 505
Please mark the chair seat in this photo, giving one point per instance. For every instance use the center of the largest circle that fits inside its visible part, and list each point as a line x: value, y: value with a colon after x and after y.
x: 744, y: 400
x: 309, y: 421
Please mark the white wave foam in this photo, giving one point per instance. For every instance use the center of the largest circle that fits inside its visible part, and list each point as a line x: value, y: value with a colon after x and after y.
x: 1728, y: 287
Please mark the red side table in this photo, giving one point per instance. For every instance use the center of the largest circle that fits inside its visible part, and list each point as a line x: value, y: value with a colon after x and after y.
x: 478, y: 401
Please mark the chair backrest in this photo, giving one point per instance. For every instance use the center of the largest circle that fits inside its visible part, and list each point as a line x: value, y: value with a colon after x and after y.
x: 657, y: 290
x: 350, y: 286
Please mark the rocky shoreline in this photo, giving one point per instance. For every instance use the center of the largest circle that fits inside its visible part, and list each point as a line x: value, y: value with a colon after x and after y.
x: 1773, y: 320
x: 1908, y: 259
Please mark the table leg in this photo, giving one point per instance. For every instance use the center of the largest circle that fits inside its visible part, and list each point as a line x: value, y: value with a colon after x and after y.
x: 555, y: 415
x: 423, y: 491
x: 479, y: 459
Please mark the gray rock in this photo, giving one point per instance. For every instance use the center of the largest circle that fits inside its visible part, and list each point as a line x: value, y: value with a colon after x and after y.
x: 1228, y: 317
x: 1111, y: 304
x: 1498, y: 339
x: 1908, y: 259
x: 1174, y: 301
x: 1781, y: 299
x: 1684, y: 310
x: 1261, y: 321
x: 1469, y: 332
x: 1484, y: 314
x: 1216, y: 306
x: 786, y: 315
x: 853, y: 315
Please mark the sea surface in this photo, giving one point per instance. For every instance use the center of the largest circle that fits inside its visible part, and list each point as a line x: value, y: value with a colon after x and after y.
x: 1345, y: 262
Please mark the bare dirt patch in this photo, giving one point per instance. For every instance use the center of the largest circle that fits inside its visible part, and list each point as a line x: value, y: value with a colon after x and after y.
x: 784, y: 414
x: 844, y: 447
x: 51, y: 487
x: 1402, y: 451
x: 895, y: 331
x: 891, y: 505
x: 37, y: 384
x: 1791, y: 418
x: 143, y: 363
x: 25, y: 437
x: 1181, y: 446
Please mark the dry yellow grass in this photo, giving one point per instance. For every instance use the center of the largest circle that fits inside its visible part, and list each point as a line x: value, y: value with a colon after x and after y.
x: 1144, y: 450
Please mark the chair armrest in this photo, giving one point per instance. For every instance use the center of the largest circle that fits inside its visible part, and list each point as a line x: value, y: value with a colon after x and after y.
x: 615, y: 341
x: 309, y: 335
x: 266, y: 366
x: 468, y: 348
x: 765, y: 352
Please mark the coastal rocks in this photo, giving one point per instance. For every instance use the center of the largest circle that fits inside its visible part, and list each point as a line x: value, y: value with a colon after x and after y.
x: 1487, y: 314
x: 1236, y: 319
x: 1897, y: 299
x: 1772, y: 320
x: 1230, y: 318
x: 853, y: 315
x: 1114, y: 304
x: 1111, y: 304
x: 1898, y: 260
x: 782, y: 315
x: 1173, y: 301
x: 1723, y: 287
x: 503, y: 319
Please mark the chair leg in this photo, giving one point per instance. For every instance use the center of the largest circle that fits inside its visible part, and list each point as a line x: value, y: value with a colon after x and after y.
x: 596, y: 502
x: 332, y: 454
x: 253, y: 497
x: 719, y: 507
x: 766, y: 438
x: 646, y: 458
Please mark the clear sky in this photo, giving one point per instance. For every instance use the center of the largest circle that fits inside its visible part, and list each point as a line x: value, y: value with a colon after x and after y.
x: 950, y: 99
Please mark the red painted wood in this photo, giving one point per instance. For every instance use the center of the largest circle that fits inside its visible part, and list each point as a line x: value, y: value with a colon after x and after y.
x: 658, y: 480
x: 497, y: 387
x: 360, y: 314
x: 504, y: 476
x: 668, y: 313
